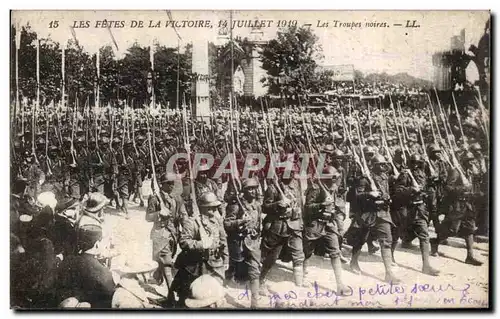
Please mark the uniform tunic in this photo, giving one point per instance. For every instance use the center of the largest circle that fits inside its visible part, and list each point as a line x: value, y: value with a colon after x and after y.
x: 243, y: 241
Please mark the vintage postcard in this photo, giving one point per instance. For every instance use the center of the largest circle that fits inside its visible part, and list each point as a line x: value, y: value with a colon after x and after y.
x: 250, y: 159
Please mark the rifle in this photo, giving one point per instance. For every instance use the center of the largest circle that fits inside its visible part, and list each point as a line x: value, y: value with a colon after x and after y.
x: 431, y: 167
x: 456, y: 163
x: 464, y: 138
x: 155, y: 181
x: 187, y: 146
x: 386, y: 147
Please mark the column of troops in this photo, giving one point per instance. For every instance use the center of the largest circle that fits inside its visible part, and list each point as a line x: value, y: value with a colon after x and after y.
x: 231, y: 229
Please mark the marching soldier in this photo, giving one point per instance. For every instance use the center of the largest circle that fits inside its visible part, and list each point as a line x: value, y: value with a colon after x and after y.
x: 282, y: 228
x: 167, y: 214
x: 436, y: 185
x: 462, y: 189
x: 410, y: 191
x: 321, y: 221
x: 373, y: 216
x: 204, y: 248
x: 242, y: 224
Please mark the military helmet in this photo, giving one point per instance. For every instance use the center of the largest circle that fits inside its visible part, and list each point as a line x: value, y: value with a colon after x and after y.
x: 336, y: 136
x: 249, y: 182
x: 416, y: 158
x: 338, y: 153
x: 209, y: 199
x: 434, y: 148
x: 328, y: 149
x: 476, y: 147
x: 379, y: 159
x: 368, y: 149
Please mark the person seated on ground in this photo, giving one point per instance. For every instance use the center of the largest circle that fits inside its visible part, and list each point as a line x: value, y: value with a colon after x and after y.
x: 134, y: 289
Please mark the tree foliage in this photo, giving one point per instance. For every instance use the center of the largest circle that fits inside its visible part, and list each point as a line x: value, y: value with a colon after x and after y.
x: 120, y: 79
x: 290, y: 62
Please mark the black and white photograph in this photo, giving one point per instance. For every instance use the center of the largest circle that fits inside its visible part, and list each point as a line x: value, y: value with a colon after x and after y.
x: 250, y: 160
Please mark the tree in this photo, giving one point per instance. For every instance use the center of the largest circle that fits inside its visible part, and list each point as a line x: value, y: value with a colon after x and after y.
x: 290, y: 61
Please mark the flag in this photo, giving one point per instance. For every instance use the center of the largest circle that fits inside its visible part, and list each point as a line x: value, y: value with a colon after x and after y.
x: 113, y: 40
x: 73, y: 33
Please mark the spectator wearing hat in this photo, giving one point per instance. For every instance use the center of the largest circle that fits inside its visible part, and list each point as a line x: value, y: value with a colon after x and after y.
x: 20, y: 204
x: 92, y: 213
x: 37, y: 274
x: 204, y: 248
x: 82, y: 276
x: 206, y: 292
x: 166, y: 211
x: 242, y: 224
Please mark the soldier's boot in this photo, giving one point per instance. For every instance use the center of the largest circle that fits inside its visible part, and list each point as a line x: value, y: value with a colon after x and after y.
x: 386, y: 257
x: 342, y: 290
x: 372, y: 247
x: 254, y: 290
x: 298, y: 277
x: 434, y: 247
x: 426, y: 267
x: 469, y: 243
x: 356, y: 251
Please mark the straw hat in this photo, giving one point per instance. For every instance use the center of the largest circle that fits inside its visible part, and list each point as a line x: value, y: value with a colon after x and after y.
x: 205, y: 291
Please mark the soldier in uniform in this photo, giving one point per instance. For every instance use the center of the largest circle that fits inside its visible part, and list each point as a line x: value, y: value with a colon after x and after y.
x: 461, y: 219
x: 242, y: 223
x: 321, y: 222
x: 436, y: 185
x: 110, y: 171
x: 282, y: 227
x: 481, y: 204
x: 203, y: 184
x: 373, y: 216
x: 204, y: 248
x: 413, y: 214
x: 167, y: 214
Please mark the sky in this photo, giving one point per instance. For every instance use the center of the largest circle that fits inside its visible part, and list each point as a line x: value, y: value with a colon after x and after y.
x: 390, y: 49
